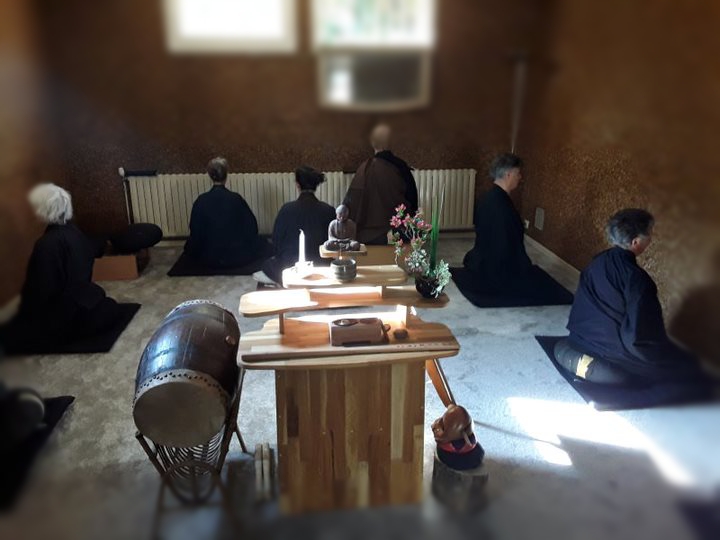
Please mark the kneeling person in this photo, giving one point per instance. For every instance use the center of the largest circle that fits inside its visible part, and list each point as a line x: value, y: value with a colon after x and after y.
x: 498, y: 259
x: 223, y: 228
x: 617, y: 333
x: 307, y: 213
x: 59, y: 302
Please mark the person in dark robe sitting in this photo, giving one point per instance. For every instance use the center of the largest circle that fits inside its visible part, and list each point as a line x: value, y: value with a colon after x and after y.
x: 381, y: 184
x: 59, y: 302
x: 306, y: 213
x: 223, y: 228
x: 498, y: 259
x: 617, y: 333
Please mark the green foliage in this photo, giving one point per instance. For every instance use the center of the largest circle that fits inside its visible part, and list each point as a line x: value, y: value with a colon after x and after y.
x: 414, y: 232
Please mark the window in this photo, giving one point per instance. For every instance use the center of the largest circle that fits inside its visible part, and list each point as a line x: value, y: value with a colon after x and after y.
x: 373, y: 81
x: 374, y: 23
x: 374, y: 55
x: 248, y: 26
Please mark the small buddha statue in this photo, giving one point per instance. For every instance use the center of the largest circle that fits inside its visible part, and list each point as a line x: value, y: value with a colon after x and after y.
x: 342, y: 231
x: 457, y: 446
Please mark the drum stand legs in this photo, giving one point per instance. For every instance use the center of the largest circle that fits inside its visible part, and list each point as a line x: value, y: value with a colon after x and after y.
x: 236, y: 428
x: 193, y: 474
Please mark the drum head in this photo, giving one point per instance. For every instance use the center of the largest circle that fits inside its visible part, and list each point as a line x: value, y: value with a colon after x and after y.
x: 180, y: 413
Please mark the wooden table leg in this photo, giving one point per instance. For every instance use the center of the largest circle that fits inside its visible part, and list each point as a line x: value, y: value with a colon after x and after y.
x: 437, y: 376
x: 350, y: 438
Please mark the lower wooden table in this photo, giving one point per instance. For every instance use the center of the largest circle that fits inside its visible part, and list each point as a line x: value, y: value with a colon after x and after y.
x: 350, y: 420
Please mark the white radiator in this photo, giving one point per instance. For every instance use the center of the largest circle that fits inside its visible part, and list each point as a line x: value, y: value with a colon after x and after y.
x: 166, y: 199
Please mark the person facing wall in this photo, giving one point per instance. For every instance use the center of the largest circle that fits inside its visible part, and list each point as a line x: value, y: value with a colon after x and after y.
x: 59, y: 301
x: 380, y: 184
x: 223, y: 228
x: 498, y: 259
x: 617, y: 332
x: 307, y: 213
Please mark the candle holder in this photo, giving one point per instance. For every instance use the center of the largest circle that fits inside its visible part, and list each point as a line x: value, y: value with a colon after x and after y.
x: 303, y: 268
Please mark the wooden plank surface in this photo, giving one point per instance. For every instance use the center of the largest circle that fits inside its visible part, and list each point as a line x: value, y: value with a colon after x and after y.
x: 274, y: 302
x: 327, y: 254
x: 322, y: 276
x: 307, y: 339
x: 350, y: 438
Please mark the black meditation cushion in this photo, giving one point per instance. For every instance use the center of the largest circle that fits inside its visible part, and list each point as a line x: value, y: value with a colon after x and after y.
x: 136, y: 237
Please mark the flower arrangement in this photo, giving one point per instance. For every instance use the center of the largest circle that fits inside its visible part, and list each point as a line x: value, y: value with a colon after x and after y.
x: 410, y: 235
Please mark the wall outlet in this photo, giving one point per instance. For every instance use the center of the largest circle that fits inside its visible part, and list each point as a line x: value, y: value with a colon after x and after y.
x: 539, y: 218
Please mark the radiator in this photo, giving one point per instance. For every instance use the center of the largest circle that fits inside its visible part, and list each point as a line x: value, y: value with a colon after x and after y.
x: 166, y: 199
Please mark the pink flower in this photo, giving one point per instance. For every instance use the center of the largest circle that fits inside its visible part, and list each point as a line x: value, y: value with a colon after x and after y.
x: 400, y: 208
x: 395, y: 222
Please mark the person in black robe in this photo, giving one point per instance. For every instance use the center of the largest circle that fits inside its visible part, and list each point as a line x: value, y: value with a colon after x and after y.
x: 381, y: 183
x: 498, y: 259
x: 223, y: 228
x: 617, y: 333
x: 307, y: 213
x: 59, y: 302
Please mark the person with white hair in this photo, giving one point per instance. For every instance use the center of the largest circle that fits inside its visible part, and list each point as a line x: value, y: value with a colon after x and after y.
x: 381, y: 183
x: 59, y: 302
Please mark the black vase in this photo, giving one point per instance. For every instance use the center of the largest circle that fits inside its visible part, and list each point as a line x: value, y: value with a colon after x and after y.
x: 426, y: 287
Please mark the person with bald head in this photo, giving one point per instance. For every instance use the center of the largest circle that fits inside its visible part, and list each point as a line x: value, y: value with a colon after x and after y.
x: 381, y: 183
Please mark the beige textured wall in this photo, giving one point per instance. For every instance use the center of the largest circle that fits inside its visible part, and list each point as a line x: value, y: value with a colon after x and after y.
x: 624, y: 110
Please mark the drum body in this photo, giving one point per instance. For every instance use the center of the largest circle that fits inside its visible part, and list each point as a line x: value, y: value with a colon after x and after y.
x: 188, y: 376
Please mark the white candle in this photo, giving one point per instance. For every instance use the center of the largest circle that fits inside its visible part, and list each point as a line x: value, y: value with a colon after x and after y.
x: 301, y: 247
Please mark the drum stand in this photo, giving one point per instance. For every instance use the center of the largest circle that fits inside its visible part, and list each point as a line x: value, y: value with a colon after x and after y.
x: 192, y: 474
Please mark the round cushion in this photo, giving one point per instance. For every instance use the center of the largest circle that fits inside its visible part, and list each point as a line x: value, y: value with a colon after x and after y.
x: 136, y: 237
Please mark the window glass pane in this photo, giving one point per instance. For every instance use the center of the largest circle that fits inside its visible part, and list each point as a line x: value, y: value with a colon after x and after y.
x: 218, y: 19
x: 374, y: 80
x: 374, y: 23
x: 231, y: 25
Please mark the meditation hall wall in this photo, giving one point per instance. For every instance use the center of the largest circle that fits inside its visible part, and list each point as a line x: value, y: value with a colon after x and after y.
x: 120, y: 99
x: 624, y: 111
x: 24, y: 151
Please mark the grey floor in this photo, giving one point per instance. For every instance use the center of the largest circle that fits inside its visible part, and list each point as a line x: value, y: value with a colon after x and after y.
x: 557, y: 468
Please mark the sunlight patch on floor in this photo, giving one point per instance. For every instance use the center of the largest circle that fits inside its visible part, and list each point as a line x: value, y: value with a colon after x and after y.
x: 547, y: 421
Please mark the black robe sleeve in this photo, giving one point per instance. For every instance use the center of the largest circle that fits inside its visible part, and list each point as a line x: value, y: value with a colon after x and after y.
x: 643, y: 329
x: 194, y: 243
x: 411, y: 191
x: 250, y: 221
x: 280, y: 232
x: 45, y: 277
x: 499, y: 255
